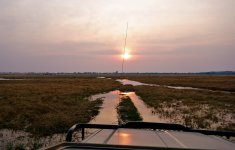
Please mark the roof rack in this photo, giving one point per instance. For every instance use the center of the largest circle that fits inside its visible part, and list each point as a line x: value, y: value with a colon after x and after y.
x: 144, y: 125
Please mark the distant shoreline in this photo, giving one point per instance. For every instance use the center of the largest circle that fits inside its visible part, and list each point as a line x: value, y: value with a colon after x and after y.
x: 97, y: 74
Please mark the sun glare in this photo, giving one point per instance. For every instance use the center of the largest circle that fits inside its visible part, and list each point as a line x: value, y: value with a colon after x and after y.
x: 126, y: 55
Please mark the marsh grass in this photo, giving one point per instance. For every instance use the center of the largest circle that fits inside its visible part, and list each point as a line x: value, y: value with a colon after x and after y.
x: 46, y: 105
x: 197, y: 109
x: 127, y: 110
x: 213, y: 82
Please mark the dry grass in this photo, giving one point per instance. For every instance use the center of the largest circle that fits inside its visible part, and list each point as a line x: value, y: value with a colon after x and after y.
x: 197, y: 109
x: 47, y: 105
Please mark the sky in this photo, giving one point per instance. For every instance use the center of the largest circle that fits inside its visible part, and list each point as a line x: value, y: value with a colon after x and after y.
x: 88, y: 36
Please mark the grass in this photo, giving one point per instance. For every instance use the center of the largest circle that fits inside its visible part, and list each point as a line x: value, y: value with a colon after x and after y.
x: 225, y: 83
x: 48, y: 105
x: 197, y: 109
x: 127, y: 110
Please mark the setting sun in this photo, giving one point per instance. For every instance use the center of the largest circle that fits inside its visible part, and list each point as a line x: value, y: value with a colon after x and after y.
x: 126, y: 55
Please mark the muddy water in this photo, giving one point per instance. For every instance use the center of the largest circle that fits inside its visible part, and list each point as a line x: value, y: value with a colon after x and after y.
x: 108, y: 112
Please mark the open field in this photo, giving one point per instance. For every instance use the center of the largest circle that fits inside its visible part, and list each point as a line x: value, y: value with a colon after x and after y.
x: 48, y: 105
x: 224, y: 83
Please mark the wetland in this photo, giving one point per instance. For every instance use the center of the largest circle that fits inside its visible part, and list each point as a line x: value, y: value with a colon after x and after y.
x: 37, y: 112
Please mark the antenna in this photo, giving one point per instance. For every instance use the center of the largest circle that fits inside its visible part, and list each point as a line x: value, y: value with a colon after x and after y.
x: 124, y: 50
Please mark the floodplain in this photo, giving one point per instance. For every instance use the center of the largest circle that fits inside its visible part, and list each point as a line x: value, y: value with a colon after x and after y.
x: 43, y: 106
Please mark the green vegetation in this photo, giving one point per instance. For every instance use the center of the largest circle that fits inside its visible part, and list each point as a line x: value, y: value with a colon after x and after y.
x: 226, y: 83
x: 48, y: 105
x: 127, y: 110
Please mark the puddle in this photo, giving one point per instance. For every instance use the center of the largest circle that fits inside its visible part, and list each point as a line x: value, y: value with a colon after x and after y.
x: 134, y: 83
x: 100, y: 77
x: 103, y: 78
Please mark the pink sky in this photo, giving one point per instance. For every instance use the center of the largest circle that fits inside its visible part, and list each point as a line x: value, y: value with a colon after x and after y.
x: 80, y: 36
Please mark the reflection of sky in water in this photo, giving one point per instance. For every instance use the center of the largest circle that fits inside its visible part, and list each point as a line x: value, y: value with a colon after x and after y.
x: 134, y: 83
x: 108, y: 112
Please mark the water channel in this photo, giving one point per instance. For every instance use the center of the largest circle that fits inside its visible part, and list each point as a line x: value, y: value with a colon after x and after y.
x: 136, y: 83
x: 108, y: 112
